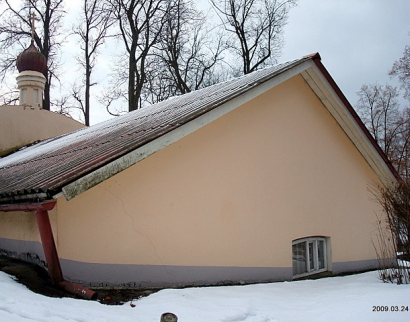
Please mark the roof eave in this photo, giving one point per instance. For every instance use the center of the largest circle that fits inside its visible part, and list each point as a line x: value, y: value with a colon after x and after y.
x: 25, y: 198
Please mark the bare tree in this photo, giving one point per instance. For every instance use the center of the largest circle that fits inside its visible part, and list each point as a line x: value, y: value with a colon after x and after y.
x: 257, y: 29
x: 140, y: 24
x: 63, y: 105
x: 393, y: 235
x: 92, y: 29
x: 159, y: 82
x: 389, y: 125
x: 401, y: 69
x: 169, y: 51
x: 9, y: 97
x: 379, y: 109
x: 187, y: 51
x: 15, y: 30
x: 400, y: 152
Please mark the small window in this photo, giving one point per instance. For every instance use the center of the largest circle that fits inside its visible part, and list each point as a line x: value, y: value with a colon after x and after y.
x: 309, y: 256
x: 23, y: 98
x: 35, y: 96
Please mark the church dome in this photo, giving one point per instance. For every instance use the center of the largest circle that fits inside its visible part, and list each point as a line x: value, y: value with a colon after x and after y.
x: 31, y: 59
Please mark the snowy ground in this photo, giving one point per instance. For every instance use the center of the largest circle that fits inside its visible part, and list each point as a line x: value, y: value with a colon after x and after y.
x: 350, y: 298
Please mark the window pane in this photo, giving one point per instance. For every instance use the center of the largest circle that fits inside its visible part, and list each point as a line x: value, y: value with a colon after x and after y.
x: 311, y: 261
x: 321, y: 253
x: 299, y: 258
x: 35, y: 96
x: 23, y: 96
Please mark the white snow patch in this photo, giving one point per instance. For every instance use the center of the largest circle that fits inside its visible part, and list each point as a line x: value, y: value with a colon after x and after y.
x: 349, y: 298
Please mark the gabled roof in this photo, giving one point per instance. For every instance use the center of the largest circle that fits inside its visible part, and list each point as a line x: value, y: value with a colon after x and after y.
x: 72, y: 163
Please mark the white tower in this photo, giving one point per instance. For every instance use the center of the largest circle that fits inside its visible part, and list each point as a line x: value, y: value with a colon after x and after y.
x: 32, y: 66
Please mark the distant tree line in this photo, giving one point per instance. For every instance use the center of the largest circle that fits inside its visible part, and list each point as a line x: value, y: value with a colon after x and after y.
x: 389, y: 123
x: 386, y: 119
x: 165, y: 47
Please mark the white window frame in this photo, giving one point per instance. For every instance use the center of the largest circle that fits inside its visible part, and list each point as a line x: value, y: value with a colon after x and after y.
x: 35, y: 95
x: 314, y: 241
x: 23, y: 96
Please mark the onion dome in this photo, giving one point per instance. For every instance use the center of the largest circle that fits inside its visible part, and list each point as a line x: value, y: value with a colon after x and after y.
x: 31, y: 59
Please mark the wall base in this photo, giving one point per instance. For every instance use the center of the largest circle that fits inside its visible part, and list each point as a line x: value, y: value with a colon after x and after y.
x: 153, y: 276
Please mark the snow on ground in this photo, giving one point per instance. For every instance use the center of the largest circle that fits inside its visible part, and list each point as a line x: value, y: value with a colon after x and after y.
x: 349, y: 298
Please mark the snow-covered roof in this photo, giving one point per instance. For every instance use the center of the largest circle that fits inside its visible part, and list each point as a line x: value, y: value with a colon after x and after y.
x: 40, y: 172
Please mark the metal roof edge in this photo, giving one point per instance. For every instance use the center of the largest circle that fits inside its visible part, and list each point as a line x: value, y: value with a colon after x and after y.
x: 105, y: 172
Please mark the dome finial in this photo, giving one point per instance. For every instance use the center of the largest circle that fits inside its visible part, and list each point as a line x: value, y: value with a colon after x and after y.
x: 31, y: 58
x: 32, y: 65
x: 32, y: 17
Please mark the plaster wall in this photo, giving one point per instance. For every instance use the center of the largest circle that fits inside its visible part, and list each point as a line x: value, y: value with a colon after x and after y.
x: 20, y: 126
x: 19, y: 235
x: 19, y: 225
x: 235, y: 193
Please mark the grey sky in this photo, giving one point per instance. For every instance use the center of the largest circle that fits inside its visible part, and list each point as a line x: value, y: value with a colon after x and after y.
x: 358, y: 40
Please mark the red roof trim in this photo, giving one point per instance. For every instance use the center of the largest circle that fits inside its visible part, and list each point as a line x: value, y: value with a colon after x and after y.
x: 45, y: 206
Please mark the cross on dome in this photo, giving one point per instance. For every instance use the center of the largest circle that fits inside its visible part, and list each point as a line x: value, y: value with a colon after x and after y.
x: 32, y: 59
x: 32, y: 17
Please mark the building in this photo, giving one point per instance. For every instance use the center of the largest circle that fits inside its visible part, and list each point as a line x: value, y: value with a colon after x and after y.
x: 26, y: 123
x: 261, y: 178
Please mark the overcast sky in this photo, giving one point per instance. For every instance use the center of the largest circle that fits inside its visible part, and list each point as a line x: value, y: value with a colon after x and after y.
x: 358, y: 40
